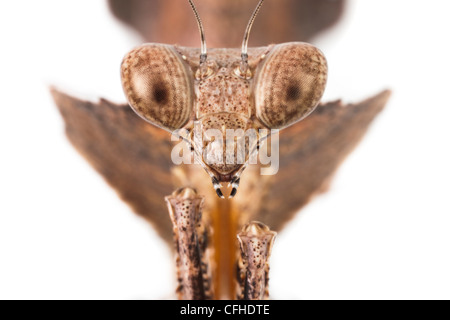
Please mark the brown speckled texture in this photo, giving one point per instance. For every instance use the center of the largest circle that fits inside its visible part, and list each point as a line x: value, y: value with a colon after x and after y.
x: 285, y: 84
x: 310, y: 153
x: 223, y: 92
x: 158, y: 85
x: 185, y: 208
x: 134, y: 158
x: 289, y: 84
x: 256, y: 242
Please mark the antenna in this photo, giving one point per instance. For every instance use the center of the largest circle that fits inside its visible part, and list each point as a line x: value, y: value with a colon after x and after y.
x: 203, y: 54
x: 244, y: 55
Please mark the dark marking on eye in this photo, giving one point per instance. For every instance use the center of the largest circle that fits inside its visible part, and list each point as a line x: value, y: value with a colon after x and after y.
x: 160, y: 94
x: 293, y: 93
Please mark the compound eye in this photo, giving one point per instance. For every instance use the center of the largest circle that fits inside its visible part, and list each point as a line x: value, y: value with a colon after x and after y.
x: 158, y: 85
x: 289, y: 84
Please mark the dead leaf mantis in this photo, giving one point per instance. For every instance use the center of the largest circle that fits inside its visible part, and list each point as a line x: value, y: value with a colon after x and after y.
x: 173, y: 87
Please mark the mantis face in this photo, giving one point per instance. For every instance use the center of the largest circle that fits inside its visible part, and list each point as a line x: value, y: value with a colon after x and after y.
x: 221, y: 101
x: 229, y: 90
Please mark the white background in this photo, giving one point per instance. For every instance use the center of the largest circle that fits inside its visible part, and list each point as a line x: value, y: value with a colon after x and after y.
x: 382, y: 232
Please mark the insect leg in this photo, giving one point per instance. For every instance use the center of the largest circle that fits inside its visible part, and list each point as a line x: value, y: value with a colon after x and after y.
x: 256, y: 241
x: 190, y: 235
